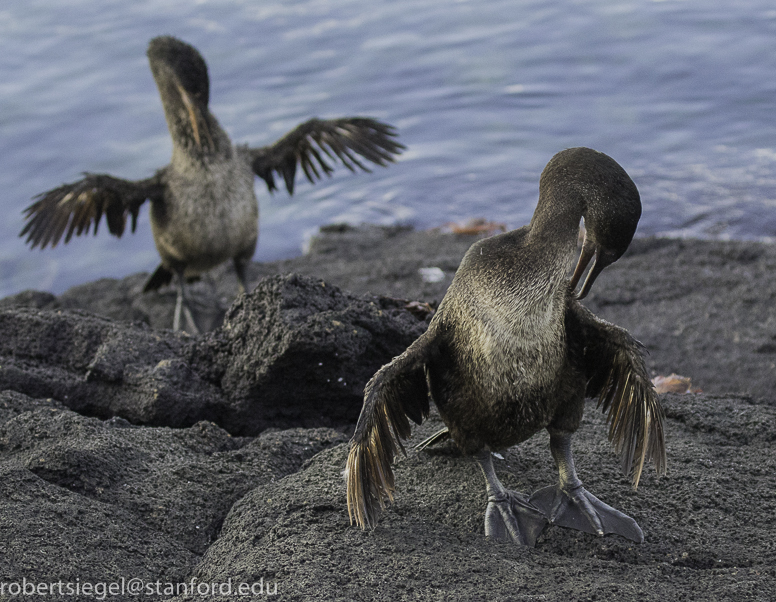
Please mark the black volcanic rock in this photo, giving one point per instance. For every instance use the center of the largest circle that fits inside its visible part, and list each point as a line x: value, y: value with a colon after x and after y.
x: 96, y: 500
x: 295, y: 352
x: 298, y: 352
x: 88, y: 496
x: 102, y: 368
x: 707, y: 533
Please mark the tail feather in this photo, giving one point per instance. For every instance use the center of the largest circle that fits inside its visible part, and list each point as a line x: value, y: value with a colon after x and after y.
x: 161, y: 277
x: 635, y: 415
x: 396, y: 394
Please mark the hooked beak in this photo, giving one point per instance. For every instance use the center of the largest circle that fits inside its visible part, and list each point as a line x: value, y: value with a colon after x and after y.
x: 603, y: 258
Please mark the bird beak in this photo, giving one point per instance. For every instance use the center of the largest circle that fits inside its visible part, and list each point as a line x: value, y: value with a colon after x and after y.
x: 603, y: 258
x: 194, y: 115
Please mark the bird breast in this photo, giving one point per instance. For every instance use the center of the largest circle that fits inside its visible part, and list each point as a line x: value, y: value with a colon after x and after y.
x: 210, y: 213
x: 516, y: 347
x: 497, y: 384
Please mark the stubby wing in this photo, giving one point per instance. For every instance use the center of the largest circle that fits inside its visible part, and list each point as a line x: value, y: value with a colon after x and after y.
x: 618, y: 377
x: 317, y: 144
x: 73, y: 208
x: 396, y: 394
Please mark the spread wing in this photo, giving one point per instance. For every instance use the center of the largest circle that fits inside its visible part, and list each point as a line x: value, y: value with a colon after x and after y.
x: 317, y: 144
x: 396, y: 394
x: 617, y: 375
x: 73, y: 208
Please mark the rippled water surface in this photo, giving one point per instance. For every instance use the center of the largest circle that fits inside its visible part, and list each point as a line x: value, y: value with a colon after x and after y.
x: 681, y: 93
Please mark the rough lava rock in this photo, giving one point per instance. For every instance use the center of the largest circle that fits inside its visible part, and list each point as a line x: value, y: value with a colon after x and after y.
x: 298, y: 352
x: 102, y: 368
x: 88, y: 496
x: 705, y: 309
x: 708, y: 525
x: 96, y: 500
x: 294, y: 352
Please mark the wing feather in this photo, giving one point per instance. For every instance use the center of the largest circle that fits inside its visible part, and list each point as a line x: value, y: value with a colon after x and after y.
x: 396, y: 394
x: 71, y: 209
x: 316, y: 145
x: 618, y: 377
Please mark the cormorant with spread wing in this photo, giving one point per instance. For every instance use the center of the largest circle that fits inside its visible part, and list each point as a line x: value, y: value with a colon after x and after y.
x: 203, y: 205
x: 511, y: 351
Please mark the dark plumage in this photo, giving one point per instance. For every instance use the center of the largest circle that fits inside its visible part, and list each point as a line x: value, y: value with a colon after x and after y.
x: 511, y: 351
x: 203, y: 206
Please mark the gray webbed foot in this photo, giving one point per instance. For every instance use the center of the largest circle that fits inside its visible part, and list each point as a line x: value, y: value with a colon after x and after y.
x: 511, y: 517
x: 579, y: 509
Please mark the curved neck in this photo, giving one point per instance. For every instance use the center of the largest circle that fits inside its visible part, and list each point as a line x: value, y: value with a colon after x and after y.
x: 194, y: 130
x: 199, y: 137
x: 555, y: 223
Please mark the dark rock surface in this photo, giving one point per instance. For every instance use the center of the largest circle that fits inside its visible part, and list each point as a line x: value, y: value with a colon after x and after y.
x: 89, y: 499
x: 100, y: 367
x: 708, y: 524
x: 132, y: 452
x: 294, y: 352
x: 298, y: 352
x: 704, y: 309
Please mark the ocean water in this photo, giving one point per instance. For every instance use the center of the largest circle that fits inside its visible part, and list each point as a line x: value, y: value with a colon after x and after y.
x: 680, y: 92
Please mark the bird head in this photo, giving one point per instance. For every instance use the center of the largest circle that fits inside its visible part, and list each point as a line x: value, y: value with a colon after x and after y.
x: 181, y: 75
x: 610, y: 205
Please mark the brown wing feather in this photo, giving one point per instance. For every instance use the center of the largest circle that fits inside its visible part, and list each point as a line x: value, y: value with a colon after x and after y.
x: 396, y: 393
x: 317, y: 144
x: 73, y: 208
x: 618, y: 376
x: 634, y: 414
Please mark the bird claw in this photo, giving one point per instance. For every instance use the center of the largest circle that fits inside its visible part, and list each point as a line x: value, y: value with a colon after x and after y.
x: 581, y: 510
x: 512, y: 517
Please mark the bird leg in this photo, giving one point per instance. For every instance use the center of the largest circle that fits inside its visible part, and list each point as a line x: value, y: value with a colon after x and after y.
x: 569, y: 504
x: 182, y: 306
x: 241, y: 268
x: 510, y: 516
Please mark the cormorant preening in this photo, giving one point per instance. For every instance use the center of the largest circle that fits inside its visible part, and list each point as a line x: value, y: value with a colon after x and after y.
x: 203, y: 206
x: 511, y: 351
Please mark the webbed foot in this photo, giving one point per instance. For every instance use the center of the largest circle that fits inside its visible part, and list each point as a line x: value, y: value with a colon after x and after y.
x: 510, y: 516
x: 579, y: 509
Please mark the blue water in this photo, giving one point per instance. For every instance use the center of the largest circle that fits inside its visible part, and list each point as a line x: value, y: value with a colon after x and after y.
x: 681, y: 93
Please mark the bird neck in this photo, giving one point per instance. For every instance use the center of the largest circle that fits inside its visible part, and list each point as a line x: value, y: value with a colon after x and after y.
x: 201, y: 140
x: 554, y: 227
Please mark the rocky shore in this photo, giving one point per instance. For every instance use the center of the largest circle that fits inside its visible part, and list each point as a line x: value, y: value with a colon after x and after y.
x: 128, y: 451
